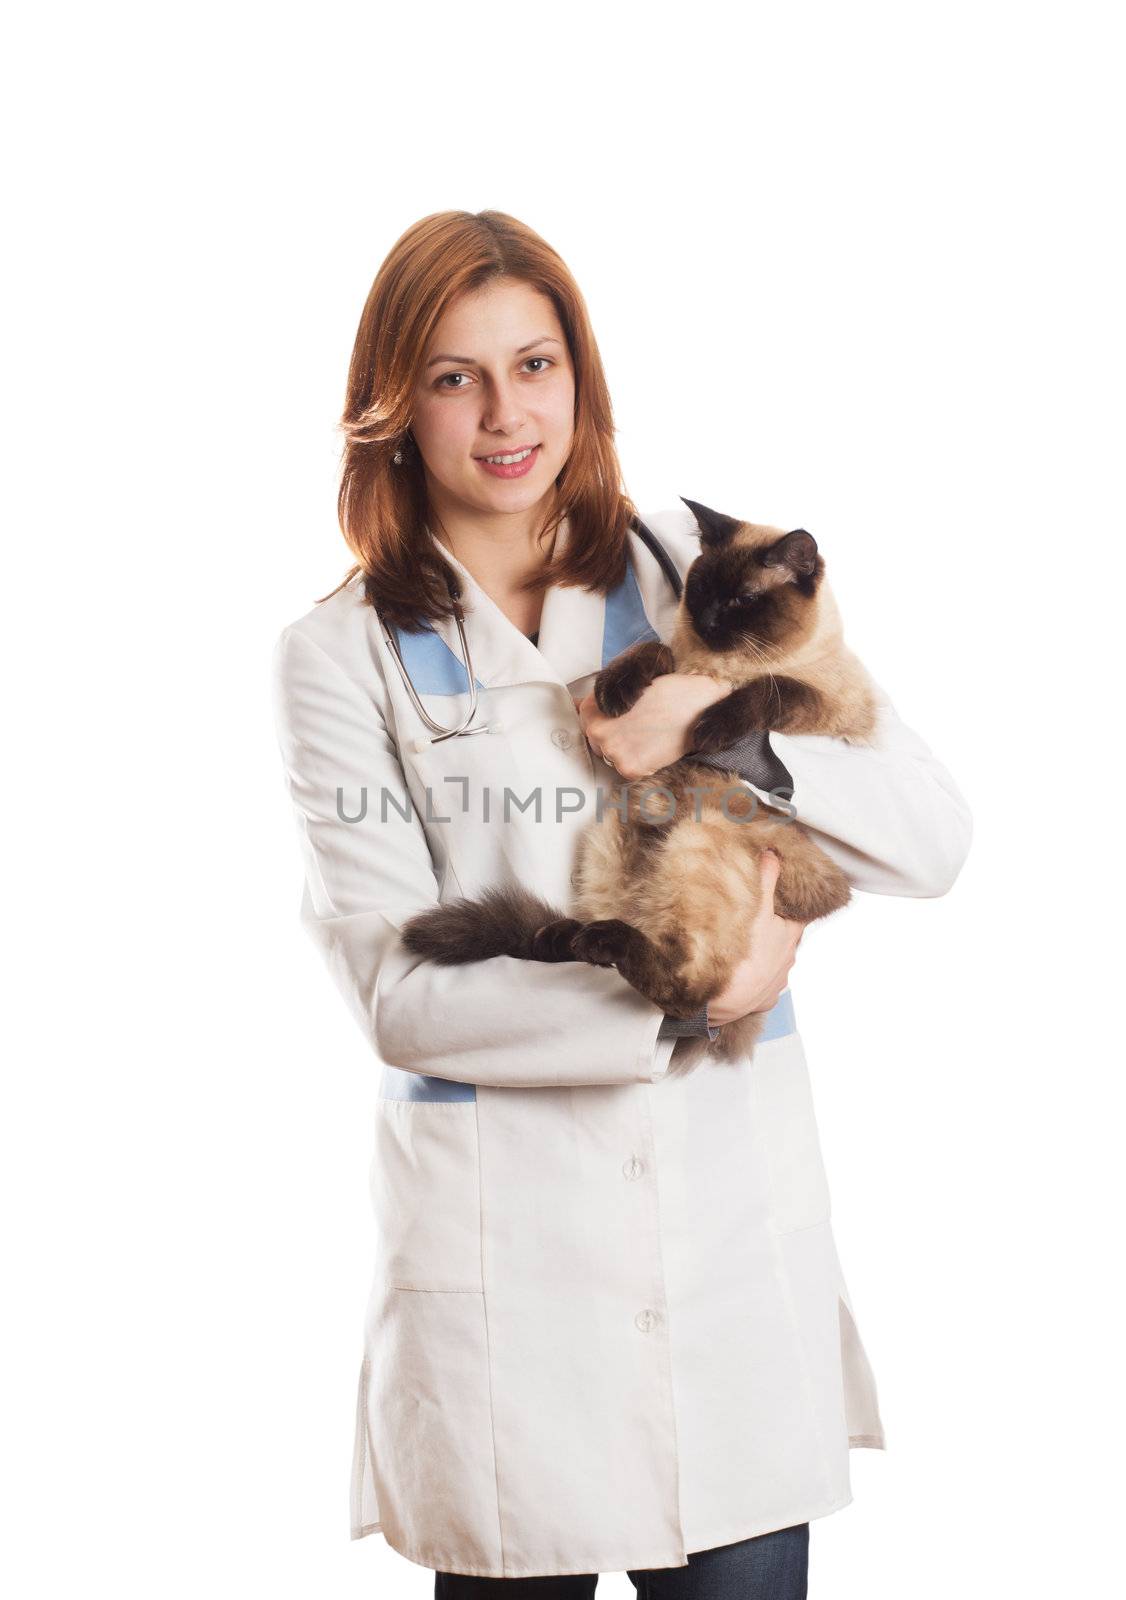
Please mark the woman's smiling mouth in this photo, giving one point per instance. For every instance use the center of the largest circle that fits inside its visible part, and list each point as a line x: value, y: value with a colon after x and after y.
x: 510, y: 463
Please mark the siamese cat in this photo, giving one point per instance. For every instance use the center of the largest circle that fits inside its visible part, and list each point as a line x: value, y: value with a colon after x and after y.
x: 667, y: 892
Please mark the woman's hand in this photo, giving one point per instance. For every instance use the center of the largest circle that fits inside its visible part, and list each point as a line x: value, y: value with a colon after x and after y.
x: 760, y: 978
x: 653, y: 733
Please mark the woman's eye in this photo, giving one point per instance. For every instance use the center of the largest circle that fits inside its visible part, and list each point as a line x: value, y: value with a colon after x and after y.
x: 444, y: 383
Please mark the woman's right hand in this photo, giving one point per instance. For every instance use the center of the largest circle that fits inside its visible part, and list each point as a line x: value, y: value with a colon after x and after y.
x: 760, y: 978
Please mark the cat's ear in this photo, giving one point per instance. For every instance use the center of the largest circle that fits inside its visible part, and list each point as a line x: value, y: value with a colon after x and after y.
x: 796, y: 550
x: 715, y: 527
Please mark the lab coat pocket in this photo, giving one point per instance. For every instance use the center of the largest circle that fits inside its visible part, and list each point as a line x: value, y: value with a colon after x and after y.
x: 787, y: 1128
x: 426, y: 1194
x: 436, y: 1470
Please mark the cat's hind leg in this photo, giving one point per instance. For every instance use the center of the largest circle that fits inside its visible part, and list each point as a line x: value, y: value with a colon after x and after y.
x: 614, y: 943
x: 810, y: 884
x: 555, y: 941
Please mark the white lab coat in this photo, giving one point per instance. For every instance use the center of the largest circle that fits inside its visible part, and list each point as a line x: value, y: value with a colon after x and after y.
x: 608, y: 1325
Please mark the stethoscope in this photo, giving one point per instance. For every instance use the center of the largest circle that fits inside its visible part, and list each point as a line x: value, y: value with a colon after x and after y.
x: 438, y: 732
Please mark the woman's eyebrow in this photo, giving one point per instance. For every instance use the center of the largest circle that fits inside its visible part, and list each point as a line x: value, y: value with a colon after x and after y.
x: 470, y: 361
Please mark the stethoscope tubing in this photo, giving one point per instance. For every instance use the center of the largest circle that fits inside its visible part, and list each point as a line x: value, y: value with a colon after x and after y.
x: 439, y: 732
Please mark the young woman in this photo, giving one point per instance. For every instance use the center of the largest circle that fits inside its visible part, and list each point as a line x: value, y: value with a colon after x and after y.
x: 608, y: 1329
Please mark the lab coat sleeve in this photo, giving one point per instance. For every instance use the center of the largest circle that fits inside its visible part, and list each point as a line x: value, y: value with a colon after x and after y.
x: 501, y: 1022
x: 887, y: 812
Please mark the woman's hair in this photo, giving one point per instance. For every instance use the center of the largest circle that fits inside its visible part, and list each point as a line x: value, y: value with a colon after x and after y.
x: 382, y: 507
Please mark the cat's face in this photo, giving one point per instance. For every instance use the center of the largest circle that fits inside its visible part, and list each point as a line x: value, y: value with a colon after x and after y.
x: 752, y: 586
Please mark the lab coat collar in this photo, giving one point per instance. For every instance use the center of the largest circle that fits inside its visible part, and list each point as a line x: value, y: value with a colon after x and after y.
x: 579, y: 632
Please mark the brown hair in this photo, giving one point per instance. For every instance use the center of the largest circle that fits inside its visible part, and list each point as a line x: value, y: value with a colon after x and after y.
x: 382, y: 507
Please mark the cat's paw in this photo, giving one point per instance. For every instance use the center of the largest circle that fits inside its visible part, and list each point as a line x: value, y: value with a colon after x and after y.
x: 716, y: 727
x: 555, y: 940
x: 602, y: 944
x: 619, y: 686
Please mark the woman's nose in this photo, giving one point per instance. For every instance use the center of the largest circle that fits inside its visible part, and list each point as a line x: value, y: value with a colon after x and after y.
x: 503, y: 410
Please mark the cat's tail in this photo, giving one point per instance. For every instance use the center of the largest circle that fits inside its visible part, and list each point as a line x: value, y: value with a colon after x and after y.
x: 501, y: 922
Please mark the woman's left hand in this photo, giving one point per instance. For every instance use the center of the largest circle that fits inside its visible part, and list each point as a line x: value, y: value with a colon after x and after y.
x: 653, y: 733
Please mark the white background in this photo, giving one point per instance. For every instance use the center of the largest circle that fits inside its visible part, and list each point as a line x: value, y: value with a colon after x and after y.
x: 851, y: 267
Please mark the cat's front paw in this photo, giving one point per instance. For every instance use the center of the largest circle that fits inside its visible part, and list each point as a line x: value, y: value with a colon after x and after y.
x: 726, y: 721
x: 619, y: 686
x: 710, y: 731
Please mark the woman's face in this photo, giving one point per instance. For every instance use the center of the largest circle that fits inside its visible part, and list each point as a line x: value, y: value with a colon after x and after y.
x: 497, y: 377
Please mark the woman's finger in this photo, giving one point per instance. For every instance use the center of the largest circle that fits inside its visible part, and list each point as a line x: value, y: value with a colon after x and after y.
x: 770, y: 865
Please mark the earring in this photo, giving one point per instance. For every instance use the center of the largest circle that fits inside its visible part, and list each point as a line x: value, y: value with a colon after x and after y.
x: 397, y: 458
x: 406, y: 439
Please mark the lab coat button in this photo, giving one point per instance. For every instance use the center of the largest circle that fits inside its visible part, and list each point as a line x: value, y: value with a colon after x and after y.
x: 646, y: 1320
x: 562, y: 737
x: 420, y: 745
x: 633, y: 1168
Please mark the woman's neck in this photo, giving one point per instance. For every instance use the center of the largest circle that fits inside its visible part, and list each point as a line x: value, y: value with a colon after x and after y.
x: 501, y: 554
x: 499, y: 559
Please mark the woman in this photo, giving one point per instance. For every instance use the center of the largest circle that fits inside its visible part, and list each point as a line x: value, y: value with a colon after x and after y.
x: 608, y: 1328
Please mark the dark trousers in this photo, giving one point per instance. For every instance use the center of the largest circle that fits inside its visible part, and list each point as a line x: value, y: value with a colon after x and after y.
x: 773, y: 1566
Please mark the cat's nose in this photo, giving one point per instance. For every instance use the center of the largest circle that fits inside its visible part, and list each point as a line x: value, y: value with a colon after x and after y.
x: 707, y: 617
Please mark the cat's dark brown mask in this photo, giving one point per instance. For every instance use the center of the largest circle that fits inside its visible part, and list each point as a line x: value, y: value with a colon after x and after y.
x: 751, y: 584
